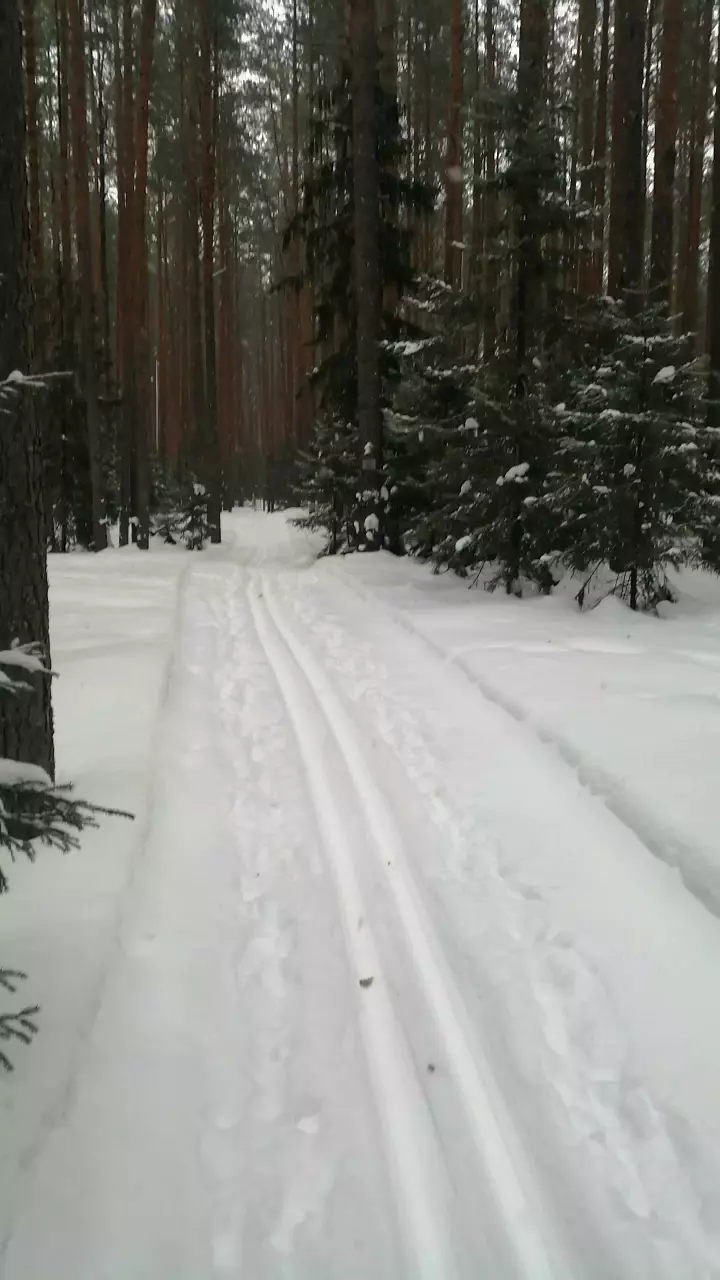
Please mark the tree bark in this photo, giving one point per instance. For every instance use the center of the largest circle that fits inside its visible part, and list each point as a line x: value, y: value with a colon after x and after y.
x: 600, y: 153
x: 141, y: 361
x: 698, y: 132
x: 491, y: 199
x: 531, y: 84
x: 453, y: 155
x: 586, y: 108
x: 213, y: 475
x: 661, y: 252
x: 627, y: 204
x: 126, y: 280
x: 26, y: 721
x: 33, y: 143
x: 78, y: 117
x: 713, y: 302
x: 367, y: 266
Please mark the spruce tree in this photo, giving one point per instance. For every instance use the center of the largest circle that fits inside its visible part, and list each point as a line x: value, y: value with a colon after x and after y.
x: 330, y: 467
x: 637, y: 486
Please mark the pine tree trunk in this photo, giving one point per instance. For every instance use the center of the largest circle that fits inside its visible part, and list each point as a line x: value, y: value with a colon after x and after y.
x: 61, y: 26
x: 26, y: 722
x: 600, y: 153
x: 453, y: 155
x: 661, y: 253
x: 33, y: 142
x: 586, y: 108
x: 213, y: 479
x: 490, y: 290
x: 367, y: 267
x: 78, y: 117
x: 141, y: 361
x: 713, y: 303
x: 102, y: 195
x: 125, y: 278
x: 476, y: 231
x: 627, y: 205
x: 531, y: 76
x: 698, y: 131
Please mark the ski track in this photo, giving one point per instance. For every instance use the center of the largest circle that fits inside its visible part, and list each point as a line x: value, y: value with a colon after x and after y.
x: 610, y: 790
x: 497, y: 1148
x: 627, y: 1140
x: 257, y: 1155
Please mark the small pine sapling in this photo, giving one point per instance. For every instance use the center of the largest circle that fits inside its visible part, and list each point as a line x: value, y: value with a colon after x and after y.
x: 34, y: 811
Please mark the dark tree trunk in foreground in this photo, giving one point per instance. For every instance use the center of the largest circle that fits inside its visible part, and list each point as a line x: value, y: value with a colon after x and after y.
x: 367, y: 265
x: 26, y: 722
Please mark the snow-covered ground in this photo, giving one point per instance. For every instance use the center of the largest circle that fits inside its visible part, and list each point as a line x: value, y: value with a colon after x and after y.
x: 408, y: 965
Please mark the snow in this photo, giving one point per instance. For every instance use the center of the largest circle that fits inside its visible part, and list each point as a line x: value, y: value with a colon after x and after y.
x: 463, y: 542
x: 666, y: 374
x: 26, y: 656
x: 465, y: 487
x: 407, y: 966
x: 18, y: 772
x: 515, y: 475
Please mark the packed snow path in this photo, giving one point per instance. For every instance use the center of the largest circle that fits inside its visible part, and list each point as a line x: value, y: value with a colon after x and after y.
x: 389, y: 991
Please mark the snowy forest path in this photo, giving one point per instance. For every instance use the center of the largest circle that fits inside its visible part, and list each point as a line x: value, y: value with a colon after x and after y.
x: 514, y: 1243
x: 480, y: 1059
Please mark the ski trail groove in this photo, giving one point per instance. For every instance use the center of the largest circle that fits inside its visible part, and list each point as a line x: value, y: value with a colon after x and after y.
x: 412, y: 1145
x: 529, y: 1239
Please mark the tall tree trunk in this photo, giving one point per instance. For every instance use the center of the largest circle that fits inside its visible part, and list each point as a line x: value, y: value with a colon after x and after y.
x: 102, y: 196
x: 78, y: 116
x: 713, y: 302
x: 600, y: 153
x: 690, y: 244
x: 141, y: 361
x: 61, y: 27
x: 476, y: 231
x: 367, y: 266
x: 26, y: 722
x: 661, y: 252
x: 586, y: 109
x: 627, y: 211
x: 490, y: 292
x: 33, y: 143
x: 453, y: 155
x: 531, y: 84
x: 125, y: 277
x: 213, y: 480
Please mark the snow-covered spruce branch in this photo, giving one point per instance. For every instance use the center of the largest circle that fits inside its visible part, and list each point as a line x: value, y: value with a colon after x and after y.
x: 19, y: 1025
x: 34, y: 810
x: 17, y: 383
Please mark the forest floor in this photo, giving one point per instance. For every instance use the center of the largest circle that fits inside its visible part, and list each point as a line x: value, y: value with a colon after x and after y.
x: 408, y: 966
